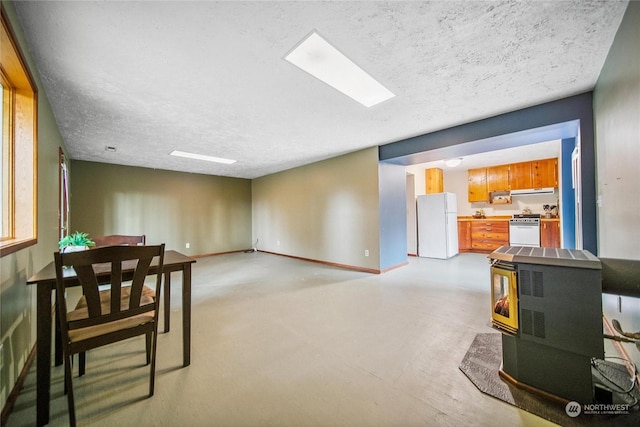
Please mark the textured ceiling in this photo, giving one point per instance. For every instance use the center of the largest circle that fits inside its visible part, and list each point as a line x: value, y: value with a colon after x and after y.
x: 209, y: 77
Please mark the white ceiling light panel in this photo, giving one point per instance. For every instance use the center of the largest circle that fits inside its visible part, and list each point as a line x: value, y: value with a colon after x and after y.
x: 323, y: 61
x: 202, y: 157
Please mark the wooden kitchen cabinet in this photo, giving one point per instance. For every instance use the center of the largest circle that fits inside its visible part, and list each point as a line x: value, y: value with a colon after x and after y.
x: 520, y: 177
x: 489, y: 235
x: 434, y: 182
x: 550, y: 234
x: 464, y: 236
x: 544, y: 173
x: 515, y: 176
x: 498, y: 178
x: 477, y: 189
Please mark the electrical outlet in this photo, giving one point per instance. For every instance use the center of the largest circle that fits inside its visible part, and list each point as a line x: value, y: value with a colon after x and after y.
x: 187, y: 245
x: 366, y: 252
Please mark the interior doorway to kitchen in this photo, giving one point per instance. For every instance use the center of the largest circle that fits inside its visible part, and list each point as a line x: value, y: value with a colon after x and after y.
x: 550, y: 141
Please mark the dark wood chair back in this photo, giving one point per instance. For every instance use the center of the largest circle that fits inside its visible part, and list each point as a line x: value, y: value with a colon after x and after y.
x: 103, y: 317
x: 119, y: 239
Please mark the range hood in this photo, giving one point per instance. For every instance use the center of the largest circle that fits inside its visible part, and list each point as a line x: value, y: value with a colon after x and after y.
x: 533, y: 191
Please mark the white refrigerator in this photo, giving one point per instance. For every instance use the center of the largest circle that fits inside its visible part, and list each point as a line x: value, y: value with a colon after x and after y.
x: 437, y: 225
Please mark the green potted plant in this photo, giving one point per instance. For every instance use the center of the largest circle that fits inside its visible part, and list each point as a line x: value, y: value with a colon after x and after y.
x: 75, y: 242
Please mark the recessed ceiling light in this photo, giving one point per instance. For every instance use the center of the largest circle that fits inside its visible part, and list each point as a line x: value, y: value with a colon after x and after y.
x: 452, y: 163
x: 320, y: 59
x: 202, y: 157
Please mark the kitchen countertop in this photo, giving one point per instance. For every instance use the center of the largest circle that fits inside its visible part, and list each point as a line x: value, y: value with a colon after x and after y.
x: 499, y: 218
x: 487, y: 218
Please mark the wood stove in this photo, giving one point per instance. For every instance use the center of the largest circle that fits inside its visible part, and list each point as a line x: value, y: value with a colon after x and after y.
x: 558, y: 320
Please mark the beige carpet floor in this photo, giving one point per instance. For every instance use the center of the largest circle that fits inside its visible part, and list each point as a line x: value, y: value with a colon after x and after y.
x: 283, y: 342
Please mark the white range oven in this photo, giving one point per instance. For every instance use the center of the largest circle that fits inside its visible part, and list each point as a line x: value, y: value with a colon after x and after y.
x: 524, y: 230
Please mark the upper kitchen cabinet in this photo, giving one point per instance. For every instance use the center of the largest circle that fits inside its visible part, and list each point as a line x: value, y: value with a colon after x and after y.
x: 544, y: 173
x: 498, y: 178
x: 493, y: 184
x: 478, y: 185
x: 520, y: 176
x: 434, y: 182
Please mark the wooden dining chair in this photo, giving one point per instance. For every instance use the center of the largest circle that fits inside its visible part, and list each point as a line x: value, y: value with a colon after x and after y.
x: 116, y: 240
x: 105, y: 317
x: 123, y: 239
x: 119, y: 239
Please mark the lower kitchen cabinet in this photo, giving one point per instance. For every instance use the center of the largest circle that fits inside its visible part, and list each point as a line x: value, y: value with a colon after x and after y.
x: 489, y: 235
x: 550, y: 234
x: 464, y: 236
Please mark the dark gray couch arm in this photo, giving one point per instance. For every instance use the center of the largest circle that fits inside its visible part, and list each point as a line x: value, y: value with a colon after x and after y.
x: 621, y: 276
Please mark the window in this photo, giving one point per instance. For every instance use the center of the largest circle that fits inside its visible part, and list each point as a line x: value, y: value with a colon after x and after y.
x: 63, y: 192
x: 19, y: 138
x: 5, y: 165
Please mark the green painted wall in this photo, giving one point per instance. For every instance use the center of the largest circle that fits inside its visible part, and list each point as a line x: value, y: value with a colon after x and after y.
x: 211, y: 213
x: 327, y: 211
x: 17, y: 300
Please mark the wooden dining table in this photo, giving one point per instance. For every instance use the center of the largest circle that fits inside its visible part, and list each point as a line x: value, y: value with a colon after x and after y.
x: 45, y: 280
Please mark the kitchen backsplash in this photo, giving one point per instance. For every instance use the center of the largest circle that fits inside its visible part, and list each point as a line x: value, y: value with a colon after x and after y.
x: 518, y: 205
